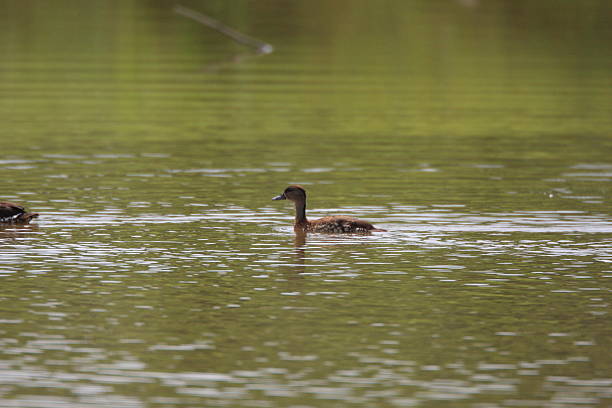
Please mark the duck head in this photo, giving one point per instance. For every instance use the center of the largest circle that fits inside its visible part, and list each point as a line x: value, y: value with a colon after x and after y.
x: 293, y: 193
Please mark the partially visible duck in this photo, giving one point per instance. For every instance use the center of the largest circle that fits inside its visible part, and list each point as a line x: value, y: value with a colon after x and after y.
x: 333, y: 224
x: 11, y: 213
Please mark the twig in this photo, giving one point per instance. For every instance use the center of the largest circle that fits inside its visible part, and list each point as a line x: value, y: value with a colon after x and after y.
x: 260, y: 46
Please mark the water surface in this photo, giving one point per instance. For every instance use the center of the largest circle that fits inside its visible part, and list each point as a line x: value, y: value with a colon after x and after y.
x: 161, y: 273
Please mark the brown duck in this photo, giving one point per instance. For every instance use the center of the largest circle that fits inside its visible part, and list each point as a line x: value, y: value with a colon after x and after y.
x: 332, y: 224
x: 11, y: 213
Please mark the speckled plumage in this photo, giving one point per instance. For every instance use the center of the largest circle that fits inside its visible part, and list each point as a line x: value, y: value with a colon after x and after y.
x: 11, y: 213
x: 337, y: 224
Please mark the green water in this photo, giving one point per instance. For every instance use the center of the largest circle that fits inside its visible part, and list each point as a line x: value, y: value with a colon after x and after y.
x: 161, y: 274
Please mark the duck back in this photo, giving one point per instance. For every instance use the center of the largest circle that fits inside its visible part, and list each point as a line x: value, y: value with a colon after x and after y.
x: 341, y: 224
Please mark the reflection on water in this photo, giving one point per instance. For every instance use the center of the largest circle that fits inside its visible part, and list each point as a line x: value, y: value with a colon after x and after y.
x: 159, y: 273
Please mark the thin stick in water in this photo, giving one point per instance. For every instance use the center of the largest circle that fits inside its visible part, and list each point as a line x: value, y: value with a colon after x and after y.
x: 260, y: 46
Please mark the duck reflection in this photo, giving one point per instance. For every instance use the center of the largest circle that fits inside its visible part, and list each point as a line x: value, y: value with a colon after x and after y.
x: 299, y: 242
x: 15, y: 231
x: 306, y: 245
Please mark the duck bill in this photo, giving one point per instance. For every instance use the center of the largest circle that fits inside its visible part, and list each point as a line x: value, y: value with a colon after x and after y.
x: 280, y: 197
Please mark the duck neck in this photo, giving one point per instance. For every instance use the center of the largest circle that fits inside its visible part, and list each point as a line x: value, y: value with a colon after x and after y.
x: 300, y: 212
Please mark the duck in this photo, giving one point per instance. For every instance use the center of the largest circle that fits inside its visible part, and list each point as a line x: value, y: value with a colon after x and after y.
x: 332, y: 224
x: 11, y: 213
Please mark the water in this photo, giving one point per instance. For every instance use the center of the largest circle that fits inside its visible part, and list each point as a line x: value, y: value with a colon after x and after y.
x: 161, y: 273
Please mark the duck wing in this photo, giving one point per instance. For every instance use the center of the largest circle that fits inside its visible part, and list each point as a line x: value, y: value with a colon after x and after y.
x: 341, y: 224
x: 9, y: 210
